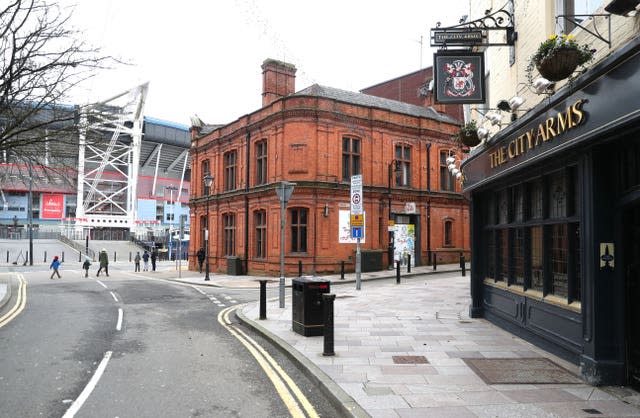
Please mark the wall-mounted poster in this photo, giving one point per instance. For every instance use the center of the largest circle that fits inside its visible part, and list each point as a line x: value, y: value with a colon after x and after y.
x: 405, y: 244
x: 52, y: 206
x: 458, y: 77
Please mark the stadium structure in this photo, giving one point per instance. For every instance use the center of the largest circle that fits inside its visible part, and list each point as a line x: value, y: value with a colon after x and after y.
x: 130, y: 183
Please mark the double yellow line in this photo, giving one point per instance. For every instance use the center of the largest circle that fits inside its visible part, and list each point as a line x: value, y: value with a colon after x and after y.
x: 21, y: 302
x: 292, y: 396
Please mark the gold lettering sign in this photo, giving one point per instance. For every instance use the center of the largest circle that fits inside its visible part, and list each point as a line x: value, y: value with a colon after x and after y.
x: 553, y: 127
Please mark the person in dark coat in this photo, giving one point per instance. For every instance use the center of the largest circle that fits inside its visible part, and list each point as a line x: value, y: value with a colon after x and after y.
x: 55, y: 265
x: 201, y: 256
x: 154, y: 256
x: 85, y: 266
x: 136, y: 262
x: 145, y: 259
x: 103, y: 258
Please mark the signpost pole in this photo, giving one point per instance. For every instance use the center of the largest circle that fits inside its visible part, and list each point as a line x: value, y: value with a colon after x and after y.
x: 356, y: 213
x: 358, y: 265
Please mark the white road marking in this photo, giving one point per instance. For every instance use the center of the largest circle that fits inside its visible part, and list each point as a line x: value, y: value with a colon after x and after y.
x: 198, y: 289
x: 102, y: 284
x: 119, y: 324
x: 114, y: 296
x: 84, y: 395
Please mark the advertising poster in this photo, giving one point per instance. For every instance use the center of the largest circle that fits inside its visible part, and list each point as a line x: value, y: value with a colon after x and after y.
x: 405, y: 237
x: 52, y: 206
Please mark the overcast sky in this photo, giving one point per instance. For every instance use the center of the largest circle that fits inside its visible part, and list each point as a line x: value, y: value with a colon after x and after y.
x: 204, y: 57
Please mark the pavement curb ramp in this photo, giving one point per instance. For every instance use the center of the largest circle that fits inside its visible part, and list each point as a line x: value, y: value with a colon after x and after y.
x: 338, y: 397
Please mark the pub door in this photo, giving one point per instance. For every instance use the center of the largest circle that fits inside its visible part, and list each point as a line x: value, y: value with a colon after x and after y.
x: 631, y: 248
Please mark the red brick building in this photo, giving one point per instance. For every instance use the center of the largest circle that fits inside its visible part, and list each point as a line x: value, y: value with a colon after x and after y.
x: 318, y: 138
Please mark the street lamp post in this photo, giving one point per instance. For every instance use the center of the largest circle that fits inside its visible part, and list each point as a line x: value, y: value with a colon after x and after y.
x: 173, y: 212
x: 284, y: 193
x: 208, y: 181
x: 397, y: 169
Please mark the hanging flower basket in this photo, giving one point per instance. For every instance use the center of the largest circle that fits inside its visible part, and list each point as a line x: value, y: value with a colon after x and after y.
x: 559, y: 65
x: 469, y: 138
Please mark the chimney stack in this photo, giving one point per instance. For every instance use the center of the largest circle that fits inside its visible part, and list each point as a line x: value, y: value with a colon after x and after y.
x: 278, y: 80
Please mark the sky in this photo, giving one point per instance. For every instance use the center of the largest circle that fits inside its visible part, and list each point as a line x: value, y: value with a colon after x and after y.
x: 203, y: 57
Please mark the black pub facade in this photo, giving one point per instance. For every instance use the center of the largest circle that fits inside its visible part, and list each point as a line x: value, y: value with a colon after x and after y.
x: 555, y: 229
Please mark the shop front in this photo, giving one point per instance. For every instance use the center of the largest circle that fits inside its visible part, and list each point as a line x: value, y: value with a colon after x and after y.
x: 555, y: 229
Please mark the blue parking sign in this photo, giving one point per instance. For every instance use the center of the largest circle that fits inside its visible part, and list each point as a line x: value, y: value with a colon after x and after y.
x: 356, y: 232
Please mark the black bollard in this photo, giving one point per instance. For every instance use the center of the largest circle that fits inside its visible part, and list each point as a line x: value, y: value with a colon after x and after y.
x: 327, y: 311
x: 114, y: 256
x: 129, y: 256
x: 342, y: 270
x: 7, y: 257
x: 408, y: 263
x: 299, y: 268
x: 464, y: 266
x: 62, y: 257
x: 435, y: 262
x: 45, y: 257
x: 398, y: 272
x: 79, y: 256
x: 263, y: 299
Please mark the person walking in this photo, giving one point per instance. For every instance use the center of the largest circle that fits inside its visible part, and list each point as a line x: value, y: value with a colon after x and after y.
x: 145, y: 259
x: 201, y: 256
x: 136, y: 262
x: 154, y: 256
x: 55, y: 265
x: 103, y: 258
x: 85, y: 266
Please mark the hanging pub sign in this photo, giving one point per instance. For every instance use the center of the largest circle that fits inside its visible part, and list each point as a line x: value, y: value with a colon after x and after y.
x: 463, y: 36
x: 458, y: 77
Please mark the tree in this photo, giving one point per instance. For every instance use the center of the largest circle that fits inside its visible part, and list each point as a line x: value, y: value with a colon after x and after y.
x: 42, y: 58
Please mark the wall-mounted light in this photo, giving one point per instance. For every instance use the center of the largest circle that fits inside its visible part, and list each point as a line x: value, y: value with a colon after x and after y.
x: 326, y: 210
x: 515, y: 102
x: 495, y: 118
x: 541, y: 85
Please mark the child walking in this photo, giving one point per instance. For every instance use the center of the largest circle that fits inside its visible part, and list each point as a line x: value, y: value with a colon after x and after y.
x: 85, y: 266
x: 55, y: 265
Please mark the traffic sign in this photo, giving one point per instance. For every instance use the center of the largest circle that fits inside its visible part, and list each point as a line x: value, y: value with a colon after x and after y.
x: 356, y: 232
x: 356, y: 194
x: 357, y: 220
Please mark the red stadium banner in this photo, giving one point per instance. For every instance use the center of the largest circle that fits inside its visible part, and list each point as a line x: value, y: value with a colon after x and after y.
x: 52, y: 206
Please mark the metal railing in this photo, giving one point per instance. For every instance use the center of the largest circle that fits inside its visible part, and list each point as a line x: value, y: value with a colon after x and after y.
x: 80, y: 248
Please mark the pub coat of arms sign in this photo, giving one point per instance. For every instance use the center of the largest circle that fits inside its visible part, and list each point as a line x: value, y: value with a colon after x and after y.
x: 458, y: 77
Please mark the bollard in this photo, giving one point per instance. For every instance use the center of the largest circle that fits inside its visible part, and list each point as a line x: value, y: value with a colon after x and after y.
x: 342, y: 270
x: 114, y: 256
x: 408, y: 263
x: 435, y: 261
x: 45, y: 257
x: 299, y: 268
x: 79, y: 256
x: 464, y: 266
x: 129, y: 256
x: 398, y: 272
x: 62, y: 257
x: 263, y: 299
x: 327, y: 311
x: 7, y: 257
x: 461, y: 259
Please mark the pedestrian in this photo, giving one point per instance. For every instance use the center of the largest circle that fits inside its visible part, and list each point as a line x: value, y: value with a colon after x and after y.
x: 201, y: 256
x: 55, y: 265
x: 103, y: 258
x: 154, y: 256
x: 145, y: 259
x: 85, y: 266
x: 136, y: 262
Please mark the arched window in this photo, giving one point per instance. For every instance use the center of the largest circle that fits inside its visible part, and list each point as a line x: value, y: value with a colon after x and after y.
x: 448, y: 233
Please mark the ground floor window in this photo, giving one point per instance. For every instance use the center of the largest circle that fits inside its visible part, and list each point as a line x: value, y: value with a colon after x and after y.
x: 229, y: 227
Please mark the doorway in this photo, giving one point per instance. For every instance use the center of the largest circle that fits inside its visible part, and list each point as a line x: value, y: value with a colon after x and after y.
x: 631, y: 248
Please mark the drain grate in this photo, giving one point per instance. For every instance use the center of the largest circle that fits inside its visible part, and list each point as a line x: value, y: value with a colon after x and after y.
x: 410, y: 360
x: 520, y: 371
x: 592, y: 411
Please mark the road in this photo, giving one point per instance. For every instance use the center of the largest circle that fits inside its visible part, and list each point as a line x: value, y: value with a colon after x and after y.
x: 132, y: 346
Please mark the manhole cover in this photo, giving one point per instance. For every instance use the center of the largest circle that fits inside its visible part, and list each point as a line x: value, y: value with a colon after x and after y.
x: 410, y: 360
x: 520, y: 371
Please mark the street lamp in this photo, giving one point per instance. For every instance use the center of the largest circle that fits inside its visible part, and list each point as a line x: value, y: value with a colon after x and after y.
x: 397, y: 170
x: 208, y: 181
x: 284, y: 193
x: 173, y: 212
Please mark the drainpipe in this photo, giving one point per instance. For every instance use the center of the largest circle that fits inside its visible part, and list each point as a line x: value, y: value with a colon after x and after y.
x: 429, y: 204
x: 246, y: 202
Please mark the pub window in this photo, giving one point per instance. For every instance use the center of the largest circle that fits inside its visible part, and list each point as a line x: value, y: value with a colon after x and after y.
x: 518, y: 203
x: 230, y: 165
x: 229, y: 227
x: 503, y: 206
x: 518, y: 256
x: 503, y: 254
x: 298, y: 230
x: 446, y: 179
x: 260, y: 220
x: 350, y: 157
x: 558, y: 196
x: 559, y: 251
x: 203, y: 228
x: 490, y: 209
x: 403, y: 162
x: 490, y: 245
x: 261, y: 162
x: 448, y: 233
x: 536, y: 258
x: 535, y: 199
x: 205, y: 170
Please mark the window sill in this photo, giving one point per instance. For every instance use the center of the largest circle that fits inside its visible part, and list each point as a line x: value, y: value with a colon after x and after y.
x: 535, y: 294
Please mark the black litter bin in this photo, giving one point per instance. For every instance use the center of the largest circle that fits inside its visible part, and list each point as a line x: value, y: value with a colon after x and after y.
x: 306, y: 306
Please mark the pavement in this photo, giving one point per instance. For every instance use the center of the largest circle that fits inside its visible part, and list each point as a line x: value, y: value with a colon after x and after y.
x: 411, y: 350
